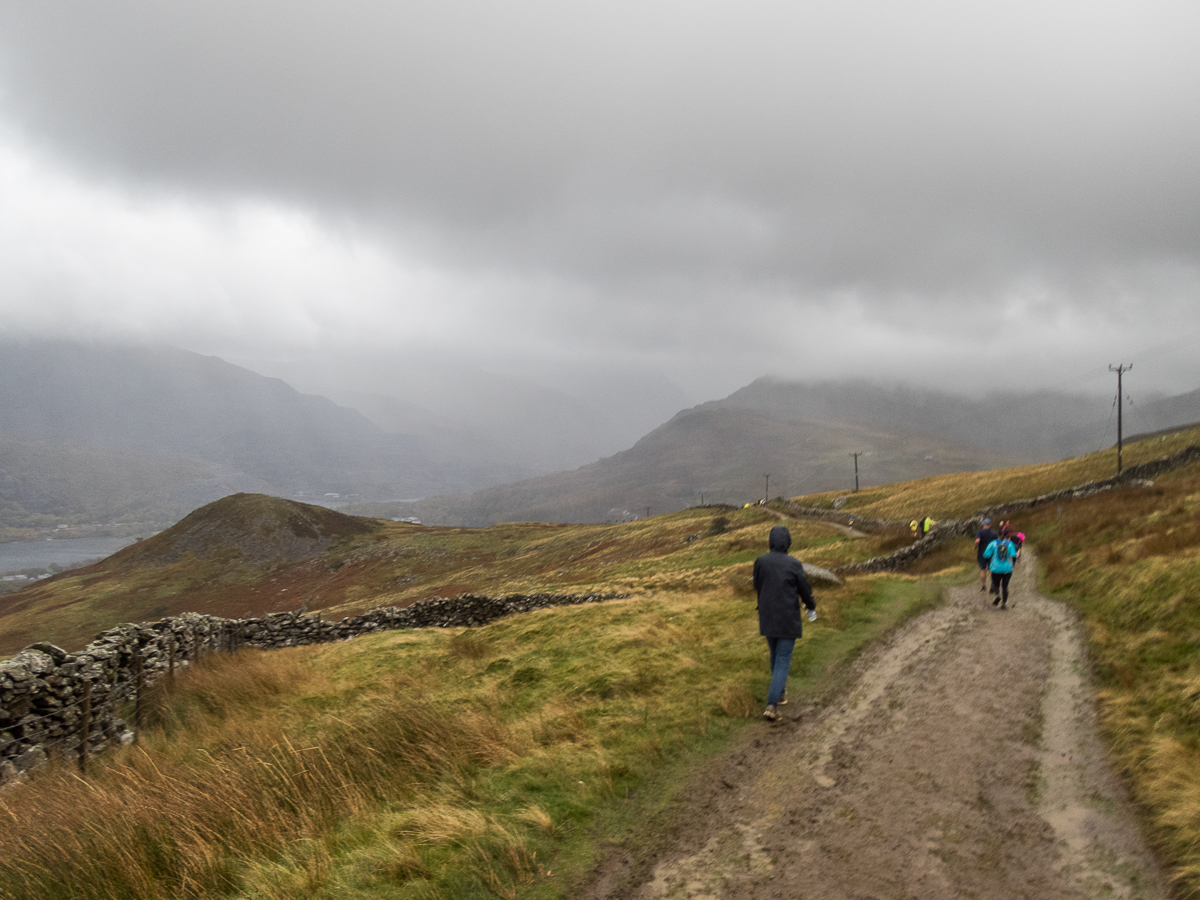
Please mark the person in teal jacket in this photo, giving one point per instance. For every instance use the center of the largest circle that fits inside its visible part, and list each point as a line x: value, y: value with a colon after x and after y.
x: 1001, y: 554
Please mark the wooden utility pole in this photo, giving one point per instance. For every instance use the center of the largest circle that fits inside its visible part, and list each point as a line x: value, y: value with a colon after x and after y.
x: 1120, y: 369
x: 767, y: 487
x: 856, y: 455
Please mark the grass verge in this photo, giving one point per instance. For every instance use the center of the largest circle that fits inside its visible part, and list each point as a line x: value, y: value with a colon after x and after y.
x: 1129, y: 562
x: 498, y: 761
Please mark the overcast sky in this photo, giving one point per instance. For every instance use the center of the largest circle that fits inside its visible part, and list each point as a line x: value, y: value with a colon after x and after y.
x: 945, y: 193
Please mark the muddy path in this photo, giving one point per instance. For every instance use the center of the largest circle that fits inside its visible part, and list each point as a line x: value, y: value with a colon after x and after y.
x: 962, y: 761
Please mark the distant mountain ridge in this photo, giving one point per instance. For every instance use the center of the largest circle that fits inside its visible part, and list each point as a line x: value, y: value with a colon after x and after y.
x: 97, y: 434
x: 1167, y: 413
x: 788, y: 438
x: 1032, y: 426
x: 93, y: 432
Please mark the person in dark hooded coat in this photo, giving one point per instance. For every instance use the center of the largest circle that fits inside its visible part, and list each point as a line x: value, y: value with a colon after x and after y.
x: 781, y: 584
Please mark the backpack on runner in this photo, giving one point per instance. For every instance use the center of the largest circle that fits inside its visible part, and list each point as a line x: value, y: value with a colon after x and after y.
x: 1002, y: 546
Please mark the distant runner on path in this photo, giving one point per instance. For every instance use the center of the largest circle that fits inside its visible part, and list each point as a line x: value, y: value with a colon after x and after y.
x: 985, y: 537
x: 1001, y: 554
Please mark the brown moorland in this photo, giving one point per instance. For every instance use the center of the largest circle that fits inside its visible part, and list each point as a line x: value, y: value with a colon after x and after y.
x: 536, y: 739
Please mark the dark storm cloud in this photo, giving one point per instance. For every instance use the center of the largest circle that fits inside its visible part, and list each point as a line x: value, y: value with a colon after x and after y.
x: 631, y: 178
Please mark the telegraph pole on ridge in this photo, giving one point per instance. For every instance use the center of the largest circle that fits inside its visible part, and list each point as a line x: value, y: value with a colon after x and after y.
x: 856, y: 454
x: 1120, y: 369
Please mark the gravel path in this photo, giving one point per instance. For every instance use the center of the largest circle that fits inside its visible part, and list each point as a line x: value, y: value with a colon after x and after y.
x: 963, y: 762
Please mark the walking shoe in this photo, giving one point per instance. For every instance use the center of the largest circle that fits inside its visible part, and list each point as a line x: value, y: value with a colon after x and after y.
x: 782, y: 700
x: 770, y: 715
x: 1004, y: 605
x: 996, y: 602
x: 982, y: 588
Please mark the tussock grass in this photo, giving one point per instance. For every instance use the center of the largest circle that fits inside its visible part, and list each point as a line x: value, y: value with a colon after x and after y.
x: 230, y: 781
x: 471, y: 763
x: 1129, y: 561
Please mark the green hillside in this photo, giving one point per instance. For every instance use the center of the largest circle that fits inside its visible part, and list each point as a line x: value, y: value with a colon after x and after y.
x: 499, y: 761
x: 963, y: 494
x: 249, y: 555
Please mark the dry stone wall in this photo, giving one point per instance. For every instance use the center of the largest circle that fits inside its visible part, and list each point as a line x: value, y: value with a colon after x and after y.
x: 47, y: 695
x: 1134, y: 476
x: 905, y: 556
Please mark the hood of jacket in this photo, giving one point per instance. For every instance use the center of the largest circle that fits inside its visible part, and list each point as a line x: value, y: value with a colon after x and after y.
x: 780, y: 539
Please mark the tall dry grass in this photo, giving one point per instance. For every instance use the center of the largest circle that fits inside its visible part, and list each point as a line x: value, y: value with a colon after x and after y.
x: 224, y: 780
x: 474, y: 763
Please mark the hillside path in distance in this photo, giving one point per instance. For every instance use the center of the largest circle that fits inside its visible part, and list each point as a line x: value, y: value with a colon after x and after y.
x: 962, y: 761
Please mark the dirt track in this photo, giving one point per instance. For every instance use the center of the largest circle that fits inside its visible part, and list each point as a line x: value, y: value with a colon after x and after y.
x: 963, y: 762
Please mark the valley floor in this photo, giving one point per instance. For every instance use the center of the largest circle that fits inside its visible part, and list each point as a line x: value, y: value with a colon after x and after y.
x: 962, y: 762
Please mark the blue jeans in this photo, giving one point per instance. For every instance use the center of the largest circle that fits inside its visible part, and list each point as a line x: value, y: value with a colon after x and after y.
x: 781, y: 662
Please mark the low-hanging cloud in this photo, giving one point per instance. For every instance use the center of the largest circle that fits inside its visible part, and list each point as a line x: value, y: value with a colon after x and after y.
x: 928, y: 192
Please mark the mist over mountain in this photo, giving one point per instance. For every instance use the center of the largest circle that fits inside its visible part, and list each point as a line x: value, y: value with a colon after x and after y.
x: 709, y: 454
x: 1025, y: 426
x: 100, y: 434
x: 96, y: 433
x: 1166, y: 413
x: 788, y: 438
x: 496, y: 424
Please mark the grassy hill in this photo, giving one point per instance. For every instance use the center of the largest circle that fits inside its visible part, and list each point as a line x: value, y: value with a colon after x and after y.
x: 498, y: 761
x: 963, y: 494
x: 250, y: 554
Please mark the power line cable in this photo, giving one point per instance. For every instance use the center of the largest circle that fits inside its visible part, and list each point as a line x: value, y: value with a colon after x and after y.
x: 1172, y: 345
x: 1107, y: 425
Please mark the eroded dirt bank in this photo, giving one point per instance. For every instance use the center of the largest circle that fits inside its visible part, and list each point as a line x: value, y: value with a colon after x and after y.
x: 964, y: 762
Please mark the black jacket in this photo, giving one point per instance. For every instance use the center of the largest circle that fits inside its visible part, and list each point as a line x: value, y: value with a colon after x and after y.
x: 780, y: 582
